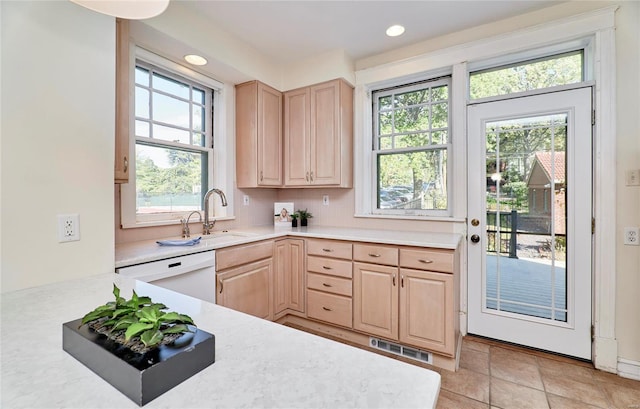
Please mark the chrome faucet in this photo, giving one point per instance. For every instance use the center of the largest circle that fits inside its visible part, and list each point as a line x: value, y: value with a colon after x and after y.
x: 185, y: 224
x: 206, y: 226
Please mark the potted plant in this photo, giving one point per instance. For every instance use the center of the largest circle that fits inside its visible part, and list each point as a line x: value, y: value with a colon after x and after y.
x: 138, y: 347
x: 294, y: 219
x: 304, y: 216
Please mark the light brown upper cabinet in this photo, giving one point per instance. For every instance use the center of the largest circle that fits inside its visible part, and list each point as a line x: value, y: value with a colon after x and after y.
x: 121, y: 166
x: 258, y: 135
x: 318, y: 135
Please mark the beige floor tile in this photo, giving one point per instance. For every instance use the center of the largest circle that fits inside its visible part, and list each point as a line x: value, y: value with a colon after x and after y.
x: 471, y: 344
x: 557, y: 368
x: 467, y: 383
x: 450, y: 400
x: 559, y: 402
x: 622, y: 396
x: 588, y: 392
x: 475, y: 361
x: 515, y: 367
x: 509, y: 395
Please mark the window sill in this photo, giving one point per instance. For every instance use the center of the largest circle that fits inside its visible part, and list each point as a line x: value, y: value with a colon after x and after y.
x: 448, y: 219
x: 166, y: 222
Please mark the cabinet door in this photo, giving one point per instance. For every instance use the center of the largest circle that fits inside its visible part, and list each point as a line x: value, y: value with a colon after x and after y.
x: 288, y: 289
x: 269, y: 136
x: 123, y: 103
x: 325, y: 134
x: 247, y: 289
x: 296, y: 137
x: 426, y: 310
x: 375, y: 299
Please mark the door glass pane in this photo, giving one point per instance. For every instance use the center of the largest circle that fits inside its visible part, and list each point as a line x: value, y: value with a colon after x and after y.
x: 526, y: 216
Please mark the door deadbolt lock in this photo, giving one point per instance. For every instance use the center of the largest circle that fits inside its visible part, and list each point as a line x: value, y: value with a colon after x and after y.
x: 475, y: 222
x: 475, y: 238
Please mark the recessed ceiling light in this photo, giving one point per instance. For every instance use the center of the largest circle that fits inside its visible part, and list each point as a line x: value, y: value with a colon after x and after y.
x: 195, y: 59
x: 395, y: 30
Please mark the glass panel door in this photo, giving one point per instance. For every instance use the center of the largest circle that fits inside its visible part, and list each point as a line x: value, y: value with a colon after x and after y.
x: 529, y: 266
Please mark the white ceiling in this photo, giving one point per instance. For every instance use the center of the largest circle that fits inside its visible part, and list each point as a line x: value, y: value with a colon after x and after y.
x: 289, y: 31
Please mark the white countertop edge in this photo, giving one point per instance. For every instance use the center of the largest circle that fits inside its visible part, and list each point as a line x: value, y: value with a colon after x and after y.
x: 128, y: 254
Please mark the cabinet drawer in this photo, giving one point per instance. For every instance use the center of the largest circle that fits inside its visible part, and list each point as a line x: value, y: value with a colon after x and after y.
x: 340, y: 286
x: 376, y: 254
x: 243, y: 254
x: 330, y: 308
x: 428, y: 259
x: 329, y: 266
x: 329, y: 248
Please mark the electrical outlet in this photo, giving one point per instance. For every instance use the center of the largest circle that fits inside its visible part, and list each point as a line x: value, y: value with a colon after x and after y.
x: 631, y: 236
x: 632, y: 177
x: 68, y: 227
x: 245, y: 200
x: 325, y: 200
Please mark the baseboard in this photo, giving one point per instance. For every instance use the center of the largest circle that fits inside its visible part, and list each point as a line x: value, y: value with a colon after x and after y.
x: 629, y: 369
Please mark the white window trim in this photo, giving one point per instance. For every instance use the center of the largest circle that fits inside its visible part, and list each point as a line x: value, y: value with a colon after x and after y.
x: 599, y: 27
x: 222, y: 142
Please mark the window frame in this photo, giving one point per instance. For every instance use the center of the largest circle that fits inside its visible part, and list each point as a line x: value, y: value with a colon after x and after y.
x: 408, y: 86
x: 217, y: 164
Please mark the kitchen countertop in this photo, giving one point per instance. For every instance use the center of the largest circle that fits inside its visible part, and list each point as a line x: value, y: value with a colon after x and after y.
x: 258, y: 363
x: 128, y: 254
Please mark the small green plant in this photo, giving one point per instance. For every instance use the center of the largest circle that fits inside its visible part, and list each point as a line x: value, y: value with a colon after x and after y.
x: 304, y: 214
x: 137, y: 319
x: 294, y: 216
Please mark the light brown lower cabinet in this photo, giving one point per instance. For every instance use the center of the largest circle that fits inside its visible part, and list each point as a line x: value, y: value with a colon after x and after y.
x: 246, y: 289
x: 245, y: 278
x: 288, y: 288
x: 413, y: 307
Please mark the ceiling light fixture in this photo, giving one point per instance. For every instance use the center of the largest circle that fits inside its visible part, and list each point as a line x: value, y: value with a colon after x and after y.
x: 395, y: 30
x: 195, y: 59
x: 129, y: 9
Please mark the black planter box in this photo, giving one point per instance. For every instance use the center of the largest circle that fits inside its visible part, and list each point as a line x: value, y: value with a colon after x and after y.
x: 141, y: 377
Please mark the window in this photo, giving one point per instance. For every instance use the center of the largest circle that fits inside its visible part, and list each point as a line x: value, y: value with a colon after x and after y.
x: 411, y: 142
x: 560, y: 69
x: 173, y: 143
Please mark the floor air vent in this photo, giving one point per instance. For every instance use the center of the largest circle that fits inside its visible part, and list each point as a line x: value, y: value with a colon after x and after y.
x: 398, y: 349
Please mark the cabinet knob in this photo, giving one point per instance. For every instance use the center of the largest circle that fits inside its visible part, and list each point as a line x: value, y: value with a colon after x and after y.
x: 312, y: 176
x: 220, y: 281
x: 307, y: 176
x: 374, y: 255
x: 126, y: 164
x: 394, y: 280
x: 261, y: 176
x: 425, y: 261
x: 402, y: 281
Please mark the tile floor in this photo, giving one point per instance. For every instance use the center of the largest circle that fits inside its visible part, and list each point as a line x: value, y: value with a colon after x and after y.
x: 500, y: 376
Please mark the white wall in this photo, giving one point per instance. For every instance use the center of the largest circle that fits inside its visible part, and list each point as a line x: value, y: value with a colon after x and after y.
x: 57, y: 138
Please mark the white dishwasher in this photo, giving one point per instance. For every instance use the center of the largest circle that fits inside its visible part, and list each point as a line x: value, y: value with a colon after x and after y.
x: 192, y: 274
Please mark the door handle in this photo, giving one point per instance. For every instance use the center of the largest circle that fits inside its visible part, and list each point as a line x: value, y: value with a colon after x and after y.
x: 475, y: 238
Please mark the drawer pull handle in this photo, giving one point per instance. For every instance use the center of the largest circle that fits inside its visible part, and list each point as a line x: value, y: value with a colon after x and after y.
x: 178, y: 264
x: 402, y: 281
x: 394, y: 280
x: 326, y: 267
x: 374, y: 255
x: 220, y: 286
x: 328, y: 250
x: 326, y: 309
x: 425, y: 261
x: 326, y: 285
